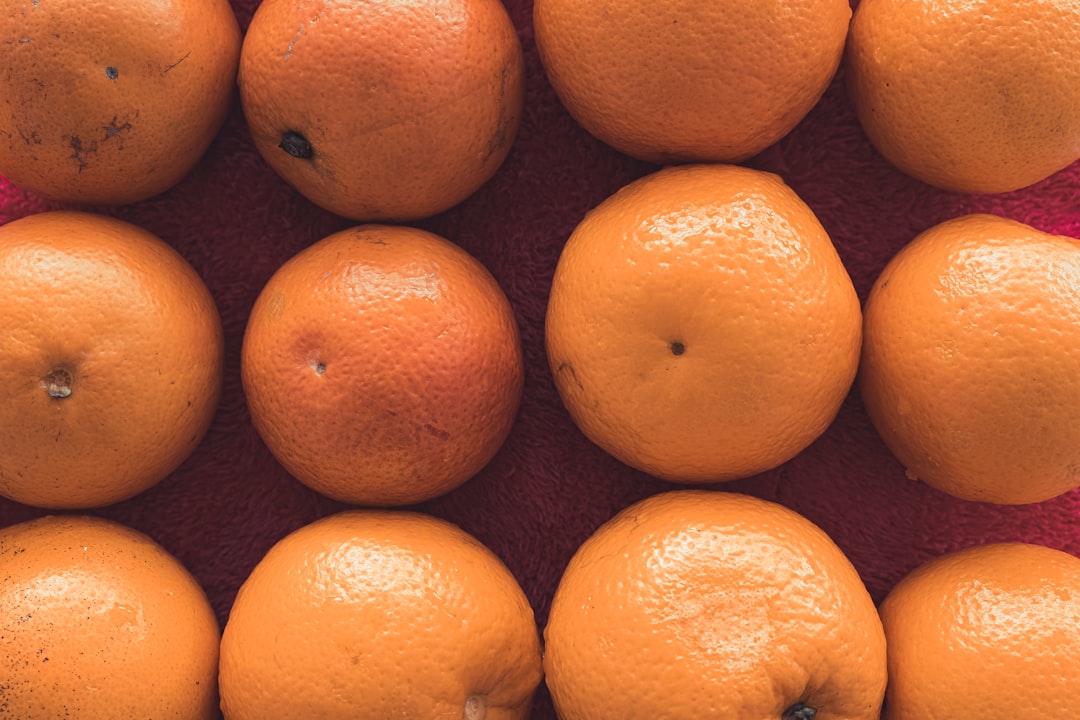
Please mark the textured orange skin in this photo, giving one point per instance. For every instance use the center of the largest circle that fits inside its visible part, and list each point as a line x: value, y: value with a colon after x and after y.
x: 97, y: 621
x: 382, y: 365
x: 970, y: 96
x: 408, y: 107
x: 989, y: 632
x: 684, y: 80
x: 375, y: 614
x: 694, y: 604
x: 137, y: 330
x: 730, y: 263
x: 71, y: 132
x: 971, y: 359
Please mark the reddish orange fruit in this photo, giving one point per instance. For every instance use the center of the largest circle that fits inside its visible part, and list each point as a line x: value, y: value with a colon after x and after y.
x: 970, y: 369
x: 683, y: 80
x: 991, y: 631
x: 106, y: 102
x: 98, y: 621
x: 383, y: 110
x: 112, y: 360
x: 382, y: 365
x: 696, y: 605
x: 701, y: 325
x: 368, y: 615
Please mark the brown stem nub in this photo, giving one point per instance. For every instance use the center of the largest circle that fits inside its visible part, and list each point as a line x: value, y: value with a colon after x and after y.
x: 57, y: 383
x: 296, y: 145
x: 475, y: 708
x: 677, y: 348
x: 799, y: 711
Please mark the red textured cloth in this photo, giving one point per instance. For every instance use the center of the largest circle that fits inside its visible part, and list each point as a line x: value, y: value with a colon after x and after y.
x: 549, y: 487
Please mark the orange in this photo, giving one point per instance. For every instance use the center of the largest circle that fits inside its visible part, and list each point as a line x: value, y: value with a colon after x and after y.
x: 684, y: 80
x: 694, y: 605
x: 382, y: 365
x: 383, y: 110
x: 98, y: 621
x: 112, y: 360
x: 989, y: 632
x: 970, y: 96
x: 107, y: 102
x: 375, y: 614
x: 971, y: 362
x: 701, y: 325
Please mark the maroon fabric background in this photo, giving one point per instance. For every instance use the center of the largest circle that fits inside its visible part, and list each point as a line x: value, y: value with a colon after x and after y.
x: 549, y: 488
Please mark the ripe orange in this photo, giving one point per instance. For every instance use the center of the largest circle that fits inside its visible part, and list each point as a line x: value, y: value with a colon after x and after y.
x: 694, y: 604
x: 374, y: 614
x: 989, y: 632
x: 970, y: 368
x: 701, y: 325
x: 106, y: 102
x: 111, y: 360
x: 382, y: 365
x: 970, y: 96
x: 690, y: 81
x: 98, y: 621
x: 383, y: 110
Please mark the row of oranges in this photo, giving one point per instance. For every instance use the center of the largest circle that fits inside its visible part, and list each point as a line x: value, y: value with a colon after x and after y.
x: 700, y: 327
x: 416, y: 117
x: 687, y: 604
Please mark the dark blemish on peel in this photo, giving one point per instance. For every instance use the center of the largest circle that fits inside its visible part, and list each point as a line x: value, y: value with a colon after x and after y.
x: 115, y: 127
x: 78, y: 154
x: 81, y: 152
x: 364, y: 233
x: 436, y: 432
x: 296, y: 145
x: 677, y: 348
x: 499, y: 137
x: 31, y: 138
x: 112, y: 73
x: 568, y: 368
x: 170, y: 67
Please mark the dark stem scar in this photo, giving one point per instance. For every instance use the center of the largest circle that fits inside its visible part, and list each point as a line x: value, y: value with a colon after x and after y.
x: 677, y: 348
x: 112, y: 73
x: 296, y: 145
x: 320, y: 368
x: 799, y: 711
x: 58, y: 383
x: 170, y: 67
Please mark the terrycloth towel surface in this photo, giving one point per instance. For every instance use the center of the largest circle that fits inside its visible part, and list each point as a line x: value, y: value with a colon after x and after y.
x: 549, y: 487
